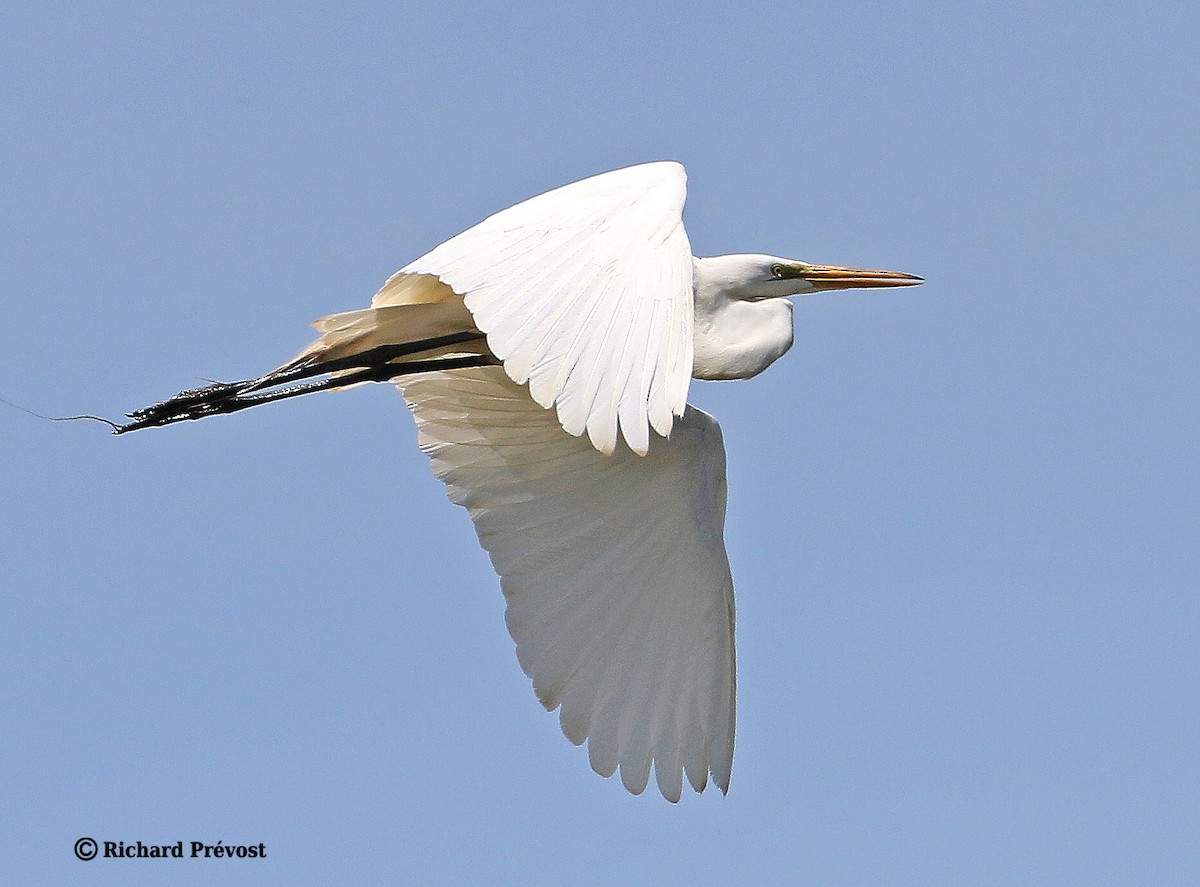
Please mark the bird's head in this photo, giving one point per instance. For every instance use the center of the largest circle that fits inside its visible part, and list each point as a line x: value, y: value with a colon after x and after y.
x: 752, y: 277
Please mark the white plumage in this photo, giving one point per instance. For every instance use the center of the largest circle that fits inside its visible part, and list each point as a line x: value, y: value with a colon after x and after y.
x: 585, y: 293
x: 582, y: 312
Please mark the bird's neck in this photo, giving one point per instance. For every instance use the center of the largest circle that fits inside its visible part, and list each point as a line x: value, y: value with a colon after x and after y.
x: 734, y: 338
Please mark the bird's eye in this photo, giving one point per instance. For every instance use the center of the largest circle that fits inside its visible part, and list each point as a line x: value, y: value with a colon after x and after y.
x: 777, y: 272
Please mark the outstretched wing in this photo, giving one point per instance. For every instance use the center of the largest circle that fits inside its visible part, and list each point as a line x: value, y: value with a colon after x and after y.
x: 614, y: 569
x: 584, y: 292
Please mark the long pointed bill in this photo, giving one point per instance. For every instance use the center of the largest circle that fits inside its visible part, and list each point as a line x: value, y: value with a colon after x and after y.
x: 831, y: 277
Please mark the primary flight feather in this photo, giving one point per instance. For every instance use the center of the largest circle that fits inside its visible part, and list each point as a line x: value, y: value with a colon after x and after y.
x: 546, y: 355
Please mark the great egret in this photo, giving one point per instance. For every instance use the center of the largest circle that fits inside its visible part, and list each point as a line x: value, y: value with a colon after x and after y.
x: 581, y: 311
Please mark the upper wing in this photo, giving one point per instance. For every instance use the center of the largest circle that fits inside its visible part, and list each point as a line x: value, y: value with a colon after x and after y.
x: 584, y: 292
x: 619, y: 593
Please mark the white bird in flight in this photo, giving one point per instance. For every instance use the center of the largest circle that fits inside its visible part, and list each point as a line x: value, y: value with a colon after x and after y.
x: 546, y: 355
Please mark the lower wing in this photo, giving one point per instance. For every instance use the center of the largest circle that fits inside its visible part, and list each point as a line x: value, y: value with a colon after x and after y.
x: 618, y: 589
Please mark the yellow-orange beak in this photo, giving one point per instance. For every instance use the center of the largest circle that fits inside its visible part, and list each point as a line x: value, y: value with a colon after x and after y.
x: 831, y: 277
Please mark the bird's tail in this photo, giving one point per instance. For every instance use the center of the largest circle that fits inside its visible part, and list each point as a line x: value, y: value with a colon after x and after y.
x: 371, y: 345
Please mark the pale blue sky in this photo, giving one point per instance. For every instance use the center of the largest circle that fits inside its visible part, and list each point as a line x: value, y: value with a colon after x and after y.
x: 963, y: 518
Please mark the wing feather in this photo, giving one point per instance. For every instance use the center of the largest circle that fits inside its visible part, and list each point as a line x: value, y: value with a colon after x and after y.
x: 584, y: 292
x: 618, y: 589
